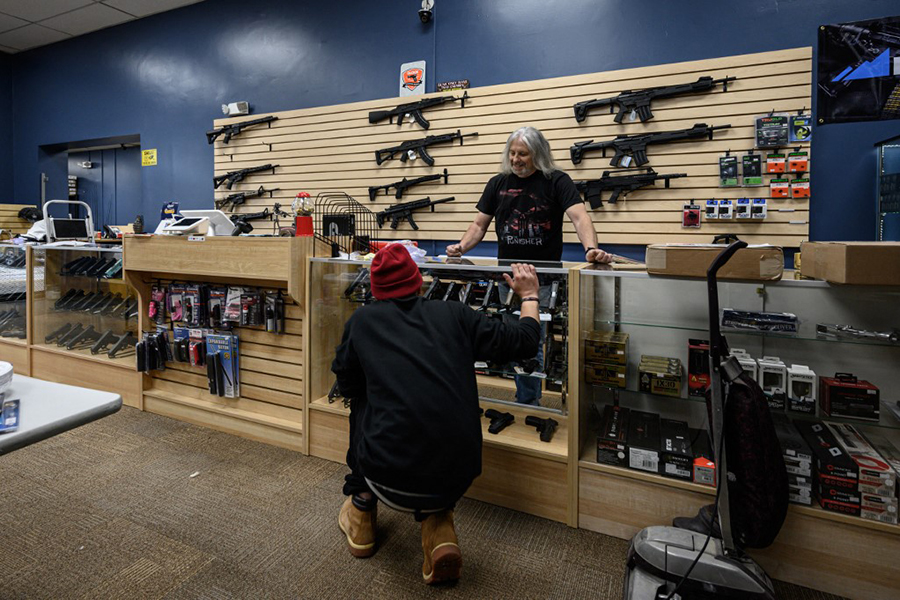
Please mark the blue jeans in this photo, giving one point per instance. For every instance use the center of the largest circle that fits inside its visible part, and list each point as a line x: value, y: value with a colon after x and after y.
x: 528, y: 388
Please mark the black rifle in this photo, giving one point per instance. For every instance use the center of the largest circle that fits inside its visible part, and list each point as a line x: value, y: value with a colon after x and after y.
x: 635, y: 146
x: 233, y: 177
x: 620, y: 184
x: 638, y: 102
x: 229, y: 131
x: 418, y: 147
x: 499, y: 420
x: 414, y: 110
x: 241, y: 222
x: 398, y: 213
x: 545, y: 427
x: 401, y: 185
x: 239, y: 198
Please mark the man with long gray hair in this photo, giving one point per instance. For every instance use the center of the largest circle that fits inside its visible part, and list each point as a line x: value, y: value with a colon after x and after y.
x: 528, y: 199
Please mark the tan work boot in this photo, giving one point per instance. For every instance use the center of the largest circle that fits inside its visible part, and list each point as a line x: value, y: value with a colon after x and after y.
x: 443, y: 560
x: 359, y: 527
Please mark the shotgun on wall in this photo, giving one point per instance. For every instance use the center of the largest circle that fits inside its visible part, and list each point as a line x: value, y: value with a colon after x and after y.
x: 638, y: 102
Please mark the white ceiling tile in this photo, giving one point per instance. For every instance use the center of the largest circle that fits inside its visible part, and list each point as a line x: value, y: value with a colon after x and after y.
x: 7, y: 22
x: 143, y: 8
x: 31, y: 36
x: 89, y: 18
x: 36, y: 10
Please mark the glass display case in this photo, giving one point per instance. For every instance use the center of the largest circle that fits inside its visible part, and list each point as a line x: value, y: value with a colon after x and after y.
x: 13, y: 293
x: 82, y: 304
x: 644, y: 346
x: 887, y: 201
x: 340, y: 286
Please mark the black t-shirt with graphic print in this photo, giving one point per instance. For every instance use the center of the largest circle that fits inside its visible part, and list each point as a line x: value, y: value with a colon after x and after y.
x: 528, y: 213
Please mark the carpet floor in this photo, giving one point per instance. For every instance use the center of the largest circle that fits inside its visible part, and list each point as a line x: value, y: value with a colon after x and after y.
x: 141, y: 506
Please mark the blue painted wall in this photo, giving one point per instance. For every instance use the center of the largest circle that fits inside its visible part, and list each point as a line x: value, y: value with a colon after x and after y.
x: 164, y: 77
x: 6, y: 129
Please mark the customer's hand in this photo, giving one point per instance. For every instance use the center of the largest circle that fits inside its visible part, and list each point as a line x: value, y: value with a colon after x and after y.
x: 524, y: 281
x: 454, y: 250
x: 596, y: 255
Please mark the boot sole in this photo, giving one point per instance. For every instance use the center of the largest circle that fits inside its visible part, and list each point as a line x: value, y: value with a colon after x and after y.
x: 357, y: 550
x: 446, y: 562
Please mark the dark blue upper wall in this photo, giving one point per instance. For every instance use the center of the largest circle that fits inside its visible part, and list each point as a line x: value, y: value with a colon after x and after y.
x: 6, y: 133
x: 164, y: 77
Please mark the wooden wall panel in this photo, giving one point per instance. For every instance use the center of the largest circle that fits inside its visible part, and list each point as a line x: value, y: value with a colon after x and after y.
x: 333, y: 148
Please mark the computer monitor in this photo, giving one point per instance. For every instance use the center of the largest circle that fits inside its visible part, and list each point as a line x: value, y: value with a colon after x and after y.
x: 219, y: 223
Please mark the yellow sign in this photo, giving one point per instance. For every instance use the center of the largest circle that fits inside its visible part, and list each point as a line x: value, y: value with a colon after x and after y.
x: 148, y: 157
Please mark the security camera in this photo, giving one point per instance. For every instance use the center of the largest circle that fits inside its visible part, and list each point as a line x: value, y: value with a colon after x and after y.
x: 426, y: 13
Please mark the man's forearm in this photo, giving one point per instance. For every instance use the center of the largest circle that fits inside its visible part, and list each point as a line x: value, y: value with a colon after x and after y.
x: 474, y: 234
x: 587, y: 235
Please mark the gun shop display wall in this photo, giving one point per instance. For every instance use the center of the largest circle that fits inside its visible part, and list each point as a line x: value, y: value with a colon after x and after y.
x: 334, y: 148
x: 682, y: 127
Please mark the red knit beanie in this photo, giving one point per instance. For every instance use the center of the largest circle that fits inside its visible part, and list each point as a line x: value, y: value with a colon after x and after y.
x: 394, y: 273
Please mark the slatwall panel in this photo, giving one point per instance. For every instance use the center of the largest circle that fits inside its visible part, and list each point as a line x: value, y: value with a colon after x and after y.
x: 333, y: 148
x: 9, y: 218
x: 271, y: 369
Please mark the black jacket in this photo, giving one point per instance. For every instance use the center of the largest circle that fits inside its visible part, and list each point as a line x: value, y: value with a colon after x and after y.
x: 412, y: 361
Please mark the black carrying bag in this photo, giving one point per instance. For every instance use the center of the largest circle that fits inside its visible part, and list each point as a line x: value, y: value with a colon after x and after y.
x: 757, y: 477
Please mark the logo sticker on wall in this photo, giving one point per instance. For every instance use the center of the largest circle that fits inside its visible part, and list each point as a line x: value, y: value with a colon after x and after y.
x: 412, y: 78
x: 148, y: 157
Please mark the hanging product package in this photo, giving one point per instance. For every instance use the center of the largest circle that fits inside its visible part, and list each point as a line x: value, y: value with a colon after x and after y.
x: 772, y: 131
x: 751, y: 169
x: 728, y: 170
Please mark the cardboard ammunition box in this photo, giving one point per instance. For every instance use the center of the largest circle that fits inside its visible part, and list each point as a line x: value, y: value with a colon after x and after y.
x: 803, y: 483
x: 839, y: 507
x: 875, y: 475
x: 643, y: 441
x: 801, y: 468
x: 886, y: 450
x: 757, y: 263
x: 704, y: 471
x: 660, y: 375
x: 801, y: 390
x: 698, y: 368
x: 861, y: 263
x: 773, y: 381
x: 837, y: 495
x: 833, y: 466
x: 878, y: 508
x: 793, y: 446
x: 606, y: 347
x: 677, y: 458
x: 612, y: 441
x: 798, y: 499
x: 602, y: 374
x: 849, y: 398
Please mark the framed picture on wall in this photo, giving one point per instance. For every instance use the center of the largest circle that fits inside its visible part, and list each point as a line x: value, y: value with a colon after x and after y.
x: 859, y: 71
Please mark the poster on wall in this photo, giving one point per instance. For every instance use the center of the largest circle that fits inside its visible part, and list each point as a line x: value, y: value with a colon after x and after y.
x: 412, y: 78
x: 859, y: 71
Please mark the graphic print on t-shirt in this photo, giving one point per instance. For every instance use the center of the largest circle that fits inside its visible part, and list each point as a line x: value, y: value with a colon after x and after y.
x: 524, y: 219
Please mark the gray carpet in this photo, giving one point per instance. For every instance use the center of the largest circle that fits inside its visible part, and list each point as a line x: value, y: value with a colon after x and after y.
x: 110, y: 510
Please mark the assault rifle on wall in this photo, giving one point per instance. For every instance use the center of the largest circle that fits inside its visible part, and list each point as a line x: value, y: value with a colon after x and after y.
x: 229, y: 131
x: 241, y: 221
x: 233, y: 177
x: 630, y: 148
x: 239, y: 198
x: 414, y: 110
x: 398, y: 213
x: 620, y: 184
x: 400, y: 186
x: 412, y: 148
x: 638, y: 102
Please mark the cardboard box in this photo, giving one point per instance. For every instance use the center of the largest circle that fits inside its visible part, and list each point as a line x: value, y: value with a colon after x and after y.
x: 861, y: 263
x: 773, y: 381
x: 756, y: 263
x: 606, y: 347
x: 793, y: 446
x: 677, y: 458
x: 849, y: 398
x: 698, y: 368
x: 612, y: 441
x: 801, y: 390
x: 876, y: 476
x: 833, y: 466
x: 643, y: 441
x: 879, y: 508
x: 704, y: 471
x: 660, y: 375
x: 602, y: 374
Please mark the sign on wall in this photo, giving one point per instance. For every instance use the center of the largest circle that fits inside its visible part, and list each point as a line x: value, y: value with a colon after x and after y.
x: 148, y: 157
x: 412, y: 78
x: 859, y: 71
